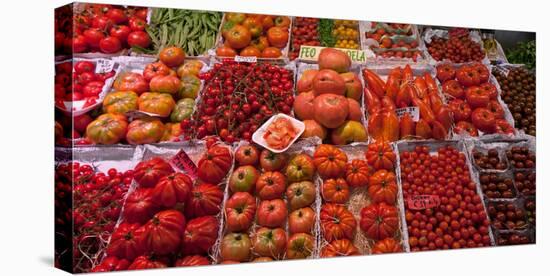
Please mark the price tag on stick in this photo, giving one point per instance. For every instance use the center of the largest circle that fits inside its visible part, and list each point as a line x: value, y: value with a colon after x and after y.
x: 104, y: 66
x: 183, y: 162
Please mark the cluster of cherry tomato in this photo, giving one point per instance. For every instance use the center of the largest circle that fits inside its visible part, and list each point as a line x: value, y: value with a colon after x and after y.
x: 96, y: 199
x: 237, y: 98
x: 304, y: 32
x: 458, y: 48
x: 109, y: 29
x: 457, y: 219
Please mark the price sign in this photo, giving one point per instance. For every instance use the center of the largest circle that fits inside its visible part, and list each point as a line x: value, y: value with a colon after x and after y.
x: 421, y: 202
x: 246, y: 59
x: 104, y: 66
x: 411, y: 110
x: 182, y: 161
x: 311, y: 53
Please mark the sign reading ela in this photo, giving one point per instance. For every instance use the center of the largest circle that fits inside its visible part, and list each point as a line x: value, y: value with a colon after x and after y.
x: 312, y: 53
x: 183, y: 162
x: 421, y: 202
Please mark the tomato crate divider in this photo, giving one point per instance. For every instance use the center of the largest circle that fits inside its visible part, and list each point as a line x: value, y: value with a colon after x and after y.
x: 460, y: 145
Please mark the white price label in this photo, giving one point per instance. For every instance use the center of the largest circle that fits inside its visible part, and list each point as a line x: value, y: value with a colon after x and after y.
x: 411, y: 110
x: 246, y: 59
x: 104, y: 66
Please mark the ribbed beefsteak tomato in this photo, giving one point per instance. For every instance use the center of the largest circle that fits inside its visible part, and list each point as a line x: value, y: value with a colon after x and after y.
x: 382, y: 187
x: 270, y: 185
x: 120, y: 102
x: 272, y: 213
x: 144, y: 131
x: 111, y: 263
x: 300, y: 194
x: 146, y: 262
x: 330, y: 161
x: 148, y: 173
x: 388, y: 245
x: 335, y: 190
x: 160, y: 104
x: 268, y: 242
x: 337, y: 222
x: 124, y: 242
x: 338, y: 248
x: 139, y: 206
x: 215, y: 164
x: 300, y: 246
x: 379, y: 221
x: 235, y: 247
x: 163, y: 233
x: 380, y: 155
x: 240, y: 209
x: 193, y: 260
x: 357, y: 173
x: 172, y: 191
x: 300, y: 168
x: 205, y: 200
x: 200, y: 235
x: 107, y: 129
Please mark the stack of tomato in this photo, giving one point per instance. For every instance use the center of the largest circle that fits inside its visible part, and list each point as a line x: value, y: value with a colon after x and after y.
x: 63, y: 26
x: 394, y: 40
x: 458, y: 48
x: 153, y: 92
x: 400, y: 90
x: 443, y: 208
x: 237, y: 98
x: 379, y: 220
x: 167, y: 219
x: 474, y: 100
x: 257, y: 211
x: 97, y: 201
x: 254, y: 35
x: 304, y: 32
x: 80, y: 83
x: 328, y: 100
x: 109, y: 29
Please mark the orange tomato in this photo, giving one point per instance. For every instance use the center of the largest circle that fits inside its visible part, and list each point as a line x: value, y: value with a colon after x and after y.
x: 238, y: 37
x: 277, y: 37
x: 254, y: 25
x: 172, y: 56
x: 225, y: 51
x: 282, y: 21
x: 267, y: 21
x: 271, y: 52
x: 261, y: 43
x: 250, y: 51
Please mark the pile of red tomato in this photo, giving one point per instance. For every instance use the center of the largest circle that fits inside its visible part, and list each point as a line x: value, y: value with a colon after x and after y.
x: 169, y: 219
x: 109, y: 29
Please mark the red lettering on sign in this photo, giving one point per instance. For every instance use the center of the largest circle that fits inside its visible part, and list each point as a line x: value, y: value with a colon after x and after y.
x: 421, y: 202
x: 183, y: 162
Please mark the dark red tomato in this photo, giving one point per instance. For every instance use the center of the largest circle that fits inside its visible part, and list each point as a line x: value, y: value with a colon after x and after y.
x: 79, y: 44
x: 121, y: 32
x: 142, y: 13
x: 84, y: 66
x: 117, y: 16
x: 92, y: 89
x: 110, y: 45
x: 93, y: 36
x: 102, y: 22
x: 139, y: 38
x: 137, y: 24
x: 85, y: 78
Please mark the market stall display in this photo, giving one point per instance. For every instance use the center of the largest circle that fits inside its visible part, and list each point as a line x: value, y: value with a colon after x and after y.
x: 218, y: 138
